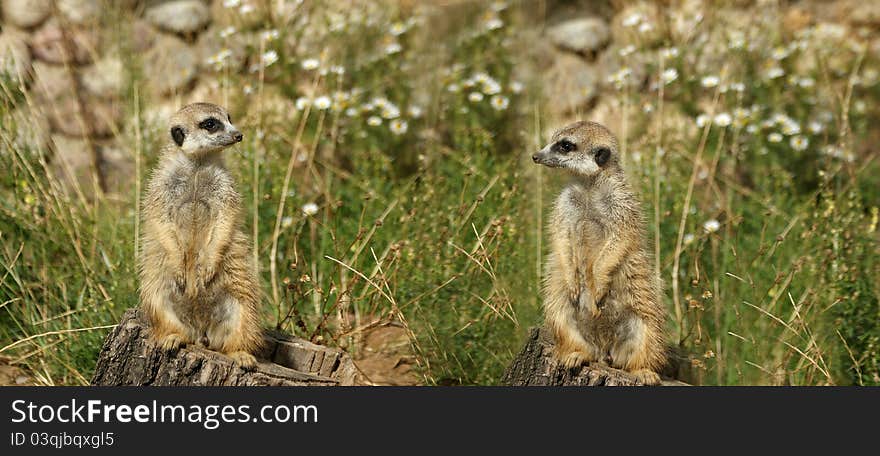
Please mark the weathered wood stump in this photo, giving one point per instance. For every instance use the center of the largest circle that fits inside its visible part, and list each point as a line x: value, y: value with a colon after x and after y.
x: 534, y: 366
x: 129, y: 357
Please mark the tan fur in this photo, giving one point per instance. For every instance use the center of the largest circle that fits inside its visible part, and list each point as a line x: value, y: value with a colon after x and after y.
x: 601, y: 297
x: 197, y: 283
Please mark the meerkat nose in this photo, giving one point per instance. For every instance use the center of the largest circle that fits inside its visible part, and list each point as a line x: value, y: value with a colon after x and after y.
x: 535, y: 158
x: 237, y: 136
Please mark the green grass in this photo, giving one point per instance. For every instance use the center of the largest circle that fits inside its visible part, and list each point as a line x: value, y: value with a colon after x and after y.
x: 438, y: 225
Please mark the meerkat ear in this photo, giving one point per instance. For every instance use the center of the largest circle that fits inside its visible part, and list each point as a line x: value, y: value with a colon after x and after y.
x: 178, y: 135
x: 602, y: 156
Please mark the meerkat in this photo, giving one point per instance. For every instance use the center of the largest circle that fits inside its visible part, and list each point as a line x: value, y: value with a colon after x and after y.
x: 602, y: 298
x: 197, y: 283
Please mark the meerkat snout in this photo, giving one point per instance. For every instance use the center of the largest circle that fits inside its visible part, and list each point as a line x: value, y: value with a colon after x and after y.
x: 582, y: 147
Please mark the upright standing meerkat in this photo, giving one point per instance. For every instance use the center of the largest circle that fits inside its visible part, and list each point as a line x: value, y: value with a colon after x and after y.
x: 601, y: 296
x: 197, y: 283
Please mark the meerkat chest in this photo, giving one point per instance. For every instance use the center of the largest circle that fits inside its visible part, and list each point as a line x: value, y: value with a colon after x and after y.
x: 581, y: 215
x: 198, y: 193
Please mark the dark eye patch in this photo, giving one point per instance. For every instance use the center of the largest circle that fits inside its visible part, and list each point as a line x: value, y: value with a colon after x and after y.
x: 211, y: 124
x: 564, y: 146
x: 602, y: 155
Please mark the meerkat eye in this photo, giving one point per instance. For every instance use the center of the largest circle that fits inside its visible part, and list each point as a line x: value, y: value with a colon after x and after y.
x: 565, y: 146
x: 211, y: 124
x: 602, y: 155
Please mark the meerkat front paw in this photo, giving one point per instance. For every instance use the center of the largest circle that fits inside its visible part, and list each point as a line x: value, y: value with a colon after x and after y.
x: 172, y: 342
x: 206, y: 274
x: 180, y: 280
x: 244, y: 360
x: 647, y: 376
x: 575, y: 359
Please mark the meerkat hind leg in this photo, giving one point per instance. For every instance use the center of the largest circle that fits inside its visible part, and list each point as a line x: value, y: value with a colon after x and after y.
x: 630, y: 352
x: 222, y: 337
x: 572, y: 350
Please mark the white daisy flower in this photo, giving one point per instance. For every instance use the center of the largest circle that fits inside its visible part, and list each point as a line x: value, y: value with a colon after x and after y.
x: 286, y: 222
x: 323, y: 102
x: 231, y: 3
x: 709, y: 81
x: 723, y: 119
x: 799, y: 142
x: 302, y: 103
x: 374, y: 121
x: 669, y: 75
x: 491, y: 87
x: 516, y: 87
x: 775, y: 72
x: 475, y: 97
x: 310, y: 209
x: 227, y: 32
x: 270, y: 35
x: 688, y: 238
x: 393, y: 48
x: 390, y: 112
x: 779, y: 53
x: 669, y: 52
x: 269, y: 57
x: 310, y: 64
x: 398, y: 126
x: 632, y: 20
x: 414, y: 111
x: 499, y: 102
x: 398, y: 28
x: 774, y: 137
x: 494, y: 24
x: 702, y: 120
x: 711, y: 226
x: 351, y: 112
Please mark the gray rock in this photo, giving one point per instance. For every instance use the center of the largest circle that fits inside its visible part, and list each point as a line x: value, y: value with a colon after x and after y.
x: 26, y: 13
x: 50, y: 82
x: 181, y: 16
x: 171, y: 65
x: 143, y: 35
x: 99, y: 118
x: 571, y: 83
x: 31, y: 130
x: 105, y: 78
x: 15, y: 58
x: 48, y: 44
x: 117, y: 166
x: 71, y: 162
x: 217, y: 53
x: 585, y: 35
x: 80, y: 11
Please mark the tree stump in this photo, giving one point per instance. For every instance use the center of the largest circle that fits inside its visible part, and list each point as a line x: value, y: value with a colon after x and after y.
x: 534, y: 366
x: 129, y: 357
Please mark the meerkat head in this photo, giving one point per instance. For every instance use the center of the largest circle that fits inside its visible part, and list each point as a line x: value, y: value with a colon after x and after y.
x: 201, y: 128
x: 584, y: 148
